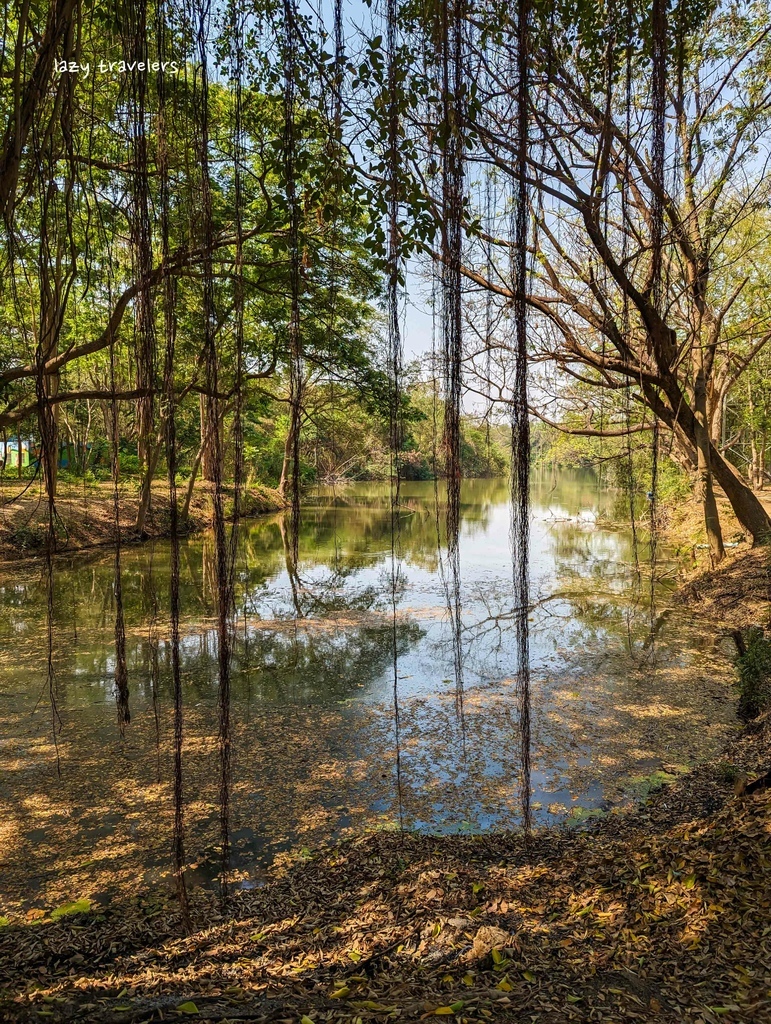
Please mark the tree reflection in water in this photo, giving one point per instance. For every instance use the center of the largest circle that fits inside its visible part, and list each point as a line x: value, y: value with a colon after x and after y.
x: 312, y: 731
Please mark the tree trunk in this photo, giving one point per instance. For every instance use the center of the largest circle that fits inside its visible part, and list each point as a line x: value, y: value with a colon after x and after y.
x: 755, y: 473
x: 676, y: 414
x: 207, y: 443
x: 51, y: 462
x: 703, y: 466
x: 716, y: 405
x: 191, y: 484
x: 754, y: 460
x: 762, y: 461
x: 684, y: 456
x: 288, y: 449
x: 748, y: 509
x: 145, y: 493
x: 145, y: 432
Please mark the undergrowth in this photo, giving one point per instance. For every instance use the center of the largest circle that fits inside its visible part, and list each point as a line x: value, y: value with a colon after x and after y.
x: 754, y: 664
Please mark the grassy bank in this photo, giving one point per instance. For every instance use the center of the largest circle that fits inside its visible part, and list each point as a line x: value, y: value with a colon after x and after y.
x: 85, y: 515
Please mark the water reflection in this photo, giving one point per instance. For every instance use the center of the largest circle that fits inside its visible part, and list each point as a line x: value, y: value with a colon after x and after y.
x: 313, y: 744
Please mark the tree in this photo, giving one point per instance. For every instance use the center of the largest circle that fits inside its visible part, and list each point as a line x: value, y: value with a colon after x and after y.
x: 631, y: 282
x: 98, y: 287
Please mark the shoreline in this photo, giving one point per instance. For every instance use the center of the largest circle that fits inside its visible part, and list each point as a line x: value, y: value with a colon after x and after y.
x: 85, y: 519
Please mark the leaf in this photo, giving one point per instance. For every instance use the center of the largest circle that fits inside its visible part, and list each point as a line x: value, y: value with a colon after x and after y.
x: 188, y: 1007
x: 504, y: 985
x: 341, y: 993
x: 443, y: 1011
x: 4, y: 922
x: 528, y: 976
x: 457, y: 1007
x: 497, y: 956
x: 354, y: 955
x: 305, y: 1019
x: 573, y: 999
x: 468, y: 980
x: 689, y: 881
x: 477, y: 887
x: 78, y: 907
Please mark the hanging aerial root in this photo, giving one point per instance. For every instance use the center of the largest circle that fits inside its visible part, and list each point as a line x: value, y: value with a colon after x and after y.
x: 393, y: 171
x: 453, y: 181
x: 170, y: 440
x: 121, y: 669
x: 290, y: 44
x: 520, y: 424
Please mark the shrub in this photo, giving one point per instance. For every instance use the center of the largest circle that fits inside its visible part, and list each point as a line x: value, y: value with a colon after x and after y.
x: 754, y: 664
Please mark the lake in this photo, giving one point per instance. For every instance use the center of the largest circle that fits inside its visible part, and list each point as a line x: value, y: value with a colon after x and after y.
x: 621, y: 692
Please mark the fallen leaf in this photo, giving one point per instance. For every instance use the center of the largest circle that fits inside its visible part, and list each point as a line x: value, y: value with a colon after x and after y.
x: 188, y: 1007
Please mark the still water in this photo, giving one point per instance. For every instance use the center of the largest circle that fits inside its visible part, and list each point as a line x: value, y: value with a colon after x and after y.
x: 614, y: 701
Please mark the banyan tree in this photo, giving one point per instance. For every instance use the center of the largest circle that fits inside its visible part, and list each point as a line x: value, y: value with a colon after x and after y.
x: 204, y: 202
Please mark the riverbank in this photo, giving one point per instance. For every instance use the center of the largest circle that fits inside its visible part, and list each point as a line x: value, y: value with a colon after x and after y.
x: 85, y: 515
x: 737, y: 594
x: 657, y: 915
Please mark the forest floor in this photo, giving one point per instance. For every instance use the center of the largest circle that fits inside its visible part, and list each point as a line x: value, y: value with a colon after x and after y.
x: 662, y: 914
x: 737, y: 593
x: 85, y: 514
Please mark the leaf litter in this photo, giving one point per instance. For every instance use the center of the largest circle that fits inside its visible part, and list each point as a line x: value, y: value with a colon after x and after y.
x: 661, y: 914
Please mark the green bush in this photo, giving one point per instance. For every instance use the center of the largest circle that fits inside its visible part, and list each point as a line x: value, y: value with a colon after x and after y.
x: 28, y: 538
x: 754, y: 674
x: 129, y: 464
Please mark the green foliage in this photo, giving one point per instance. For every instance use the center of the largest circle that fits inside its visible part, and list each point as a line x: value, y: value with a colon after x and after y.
x: 727, y: 772
x: 68, y: 909
x: 28, y: 538
x: 346, y: 435
x: 754, y: 674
